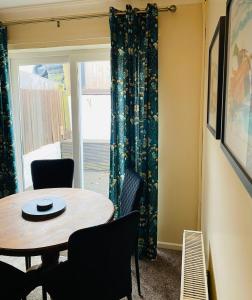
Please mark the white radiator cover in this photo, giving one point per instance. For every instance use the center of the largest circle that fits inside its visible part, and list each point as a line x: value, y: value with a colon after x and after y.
x: 193, y: 273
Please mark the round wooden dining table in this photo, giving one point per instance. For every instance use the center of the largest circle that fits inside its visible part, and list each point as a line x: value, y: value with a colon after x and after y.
x: 20, y: 237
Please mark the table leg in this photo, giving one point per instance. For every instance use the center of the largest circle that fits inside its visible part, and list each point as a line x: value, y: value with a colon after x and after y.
x: 49, y: 260
x: 27, y: 262
x: 44, y: 293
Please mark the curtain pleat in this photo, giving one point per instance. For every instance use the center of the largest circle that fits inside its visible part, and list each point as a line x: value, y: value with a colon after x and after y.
x: 8, y: 184
x: 134, y: 117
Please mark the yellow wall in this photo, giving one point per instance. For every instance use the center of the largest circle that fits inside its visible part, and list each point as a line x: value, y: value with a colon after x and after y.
x: 226, y: 206
x: 75, y: 32
x: 180, y: 50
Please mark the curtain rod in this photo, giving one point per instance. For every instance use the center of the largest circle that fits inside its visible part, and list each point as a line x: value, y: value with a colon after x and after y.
x: 171, y: 8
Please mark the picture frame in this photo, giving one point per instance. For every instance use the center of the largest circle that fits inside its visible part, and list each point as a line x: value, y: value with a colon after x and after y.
x: 215, y: 79
x: 236, y: 134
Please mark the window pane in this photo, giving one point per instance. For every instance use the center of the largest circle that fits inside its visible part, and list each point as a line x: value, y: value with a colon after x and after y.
x: 95, y: 78
x: 96, y: 111
x: 45, y: 105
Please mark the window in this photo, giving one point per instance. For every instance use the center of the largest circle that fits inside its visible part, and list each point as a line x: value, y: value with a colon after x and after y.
x: 62, y: 108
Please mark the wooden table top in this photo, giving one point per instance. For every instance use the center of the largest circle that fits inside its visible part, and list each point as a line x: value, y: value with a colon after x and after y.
x: 21, y: 237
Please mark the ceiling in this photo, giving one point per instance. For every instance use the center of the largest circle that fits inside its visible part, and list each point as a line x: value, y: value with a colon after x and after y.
x: 20, y: 3
x: 6, y: 4
x: 14, y: 10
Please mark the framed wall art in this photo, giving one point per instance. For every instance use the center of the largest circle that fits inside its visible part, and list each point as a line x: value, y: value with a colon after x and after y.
x: 236, y: 137
x: 215, y: 79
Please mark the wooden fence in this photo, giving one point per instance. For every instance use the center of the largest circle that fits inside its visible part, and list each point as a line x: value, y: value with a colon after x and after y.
x: 44, y: 112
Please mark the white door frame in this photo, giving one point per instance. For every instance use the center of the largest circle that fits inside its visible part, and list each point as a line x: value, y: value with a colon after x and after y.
x: 53, y: 55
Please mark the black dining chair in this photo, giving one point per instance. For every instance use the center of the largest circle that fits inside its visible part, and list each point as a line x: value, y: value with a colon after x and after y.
x: 15, y: 284
x: 131, y: 192
x: 52, y: 173
x: 99, y: 263
x: 130, y: 200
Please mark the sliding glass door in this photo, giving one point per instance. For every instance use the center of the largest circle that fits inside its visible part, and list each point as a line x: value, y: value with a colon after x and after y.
x: 45, y: 113
x: 61, y: 104
x: 95, y: 121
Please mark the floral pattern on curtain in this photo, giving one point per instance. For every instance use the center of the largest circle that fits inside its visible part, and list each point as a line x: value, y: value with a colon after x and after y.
x: 7, y: 158
x: 134, y: 117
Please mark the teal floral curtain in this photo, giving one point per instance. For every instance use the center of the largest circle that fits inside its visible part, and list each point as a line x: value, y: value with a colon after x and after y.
x: 134, y: 129
x: 7, y: 159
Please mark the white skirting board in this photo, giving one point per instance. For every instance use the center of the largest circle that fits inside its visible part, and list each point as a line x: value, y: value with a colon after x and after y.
x: 171, y: 246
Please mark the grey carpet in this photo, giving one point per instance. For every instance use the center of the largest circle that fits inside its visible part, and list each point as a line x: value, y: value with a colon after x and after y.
x: 160, y: 279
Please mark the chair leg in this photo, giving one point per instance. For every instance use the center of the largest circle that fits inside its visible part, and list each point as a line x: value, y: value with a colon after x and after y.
x: 27, y: 262
x: 44, y: 294
x: 129, y: 297
x: 137, y: 272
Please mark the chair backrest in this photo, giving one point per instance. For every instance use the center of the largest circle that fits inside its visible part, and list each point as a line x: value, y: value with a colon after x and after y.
x: 52, y: 173
x: 131, y: 192
x: 100, y: 257
x: 15, y: 284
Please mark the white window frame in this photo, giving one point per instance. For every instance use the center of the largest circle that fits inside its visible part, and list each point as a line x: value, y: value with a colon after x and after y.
x: 73, y: 56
